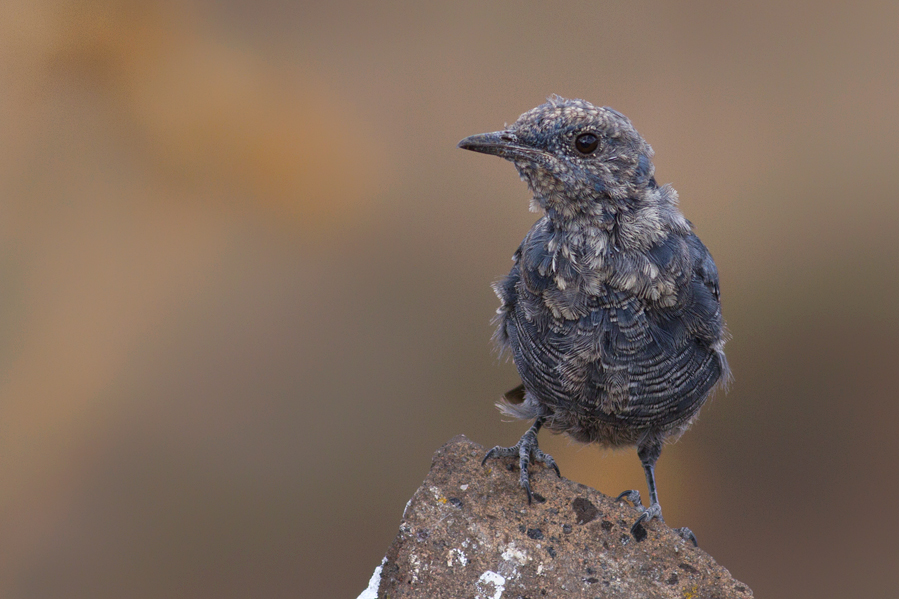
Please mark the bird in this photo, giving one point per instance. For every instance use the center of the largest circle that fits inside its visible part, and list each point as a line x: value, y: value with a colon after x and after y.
x: 612, y: 309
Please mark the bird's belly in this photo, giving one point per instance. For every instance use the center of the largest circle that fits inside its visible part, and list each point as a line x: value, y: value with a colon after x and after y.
x: 609, y: 389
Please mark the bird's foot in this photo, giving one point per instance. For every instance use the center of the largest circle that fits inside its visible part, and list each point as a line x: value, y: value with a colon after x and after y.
x: 650, y: 513
x: 525, y: 449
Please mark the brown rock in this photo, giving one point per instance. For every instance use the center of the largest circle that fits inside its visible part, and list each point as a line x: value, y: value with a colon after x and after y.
x: 468, y: 532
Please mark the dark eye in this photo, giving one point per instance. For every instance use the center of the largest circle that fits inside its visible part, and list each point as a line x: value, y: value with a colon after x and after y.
x: 586, y: 143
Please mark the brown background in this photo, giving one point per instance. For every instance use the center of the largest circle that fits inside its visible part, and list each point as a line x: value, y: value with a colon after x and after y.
x: 244, y: 278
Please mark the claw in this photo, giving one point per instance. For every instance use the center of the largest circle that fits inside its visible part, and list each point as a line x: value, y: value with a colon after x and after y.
x: 687, y: 535
x: 498, y: 452
x: 631, y: 496
x: 547, y: 459
x: 638, y: 530
x: 640, y: 520
x: 652, y: 512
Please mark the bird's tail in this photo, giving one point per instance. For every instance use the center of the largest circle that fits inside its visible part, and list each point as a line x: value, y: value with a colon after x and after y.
x: 517, y: 403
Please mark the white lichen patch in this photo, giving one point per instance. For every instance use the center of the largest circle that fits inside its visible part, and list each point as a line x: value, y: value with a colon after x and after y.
x: 372, y: 591
x: 415, y: 562
x: 456, y: 555
x: 514, y: 554
x: 512, y: 558
x: 490, y: 585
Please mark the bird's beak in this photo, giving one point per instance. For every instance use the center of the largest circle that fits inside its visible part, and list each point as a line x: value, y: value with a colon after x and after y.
x: 499, y: 143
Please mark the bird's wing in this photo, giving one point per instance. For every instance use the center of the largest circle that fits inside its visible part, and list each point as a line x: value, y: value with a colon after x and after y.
x: 669, y: 357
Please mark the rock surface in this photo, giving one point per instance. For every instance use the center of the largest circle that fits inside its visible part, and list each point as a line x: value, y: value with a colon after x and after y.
x: 468, y: 532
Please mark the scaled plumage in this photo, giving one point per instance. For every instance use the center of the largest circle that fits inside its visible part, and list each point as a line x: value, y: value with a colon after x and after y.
x: 612, y: 309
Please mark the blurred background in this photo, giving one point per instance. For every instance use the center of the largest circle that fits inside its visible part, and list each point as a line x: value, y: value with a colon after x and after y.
x: 245, y: 278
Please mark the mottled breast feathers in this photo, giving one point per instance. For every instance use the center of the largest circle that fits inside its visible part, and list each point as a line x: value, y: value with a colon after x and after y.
x: 637, y: 350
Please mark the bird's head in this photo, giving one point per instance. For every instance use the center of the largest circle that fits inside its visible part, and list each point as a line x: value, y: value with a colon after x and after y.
x: 578, y: 159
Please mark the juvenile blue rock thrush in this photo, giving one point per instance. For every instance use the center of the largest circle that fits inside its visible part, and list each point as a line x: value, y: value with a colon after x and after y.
x: 612, y: 309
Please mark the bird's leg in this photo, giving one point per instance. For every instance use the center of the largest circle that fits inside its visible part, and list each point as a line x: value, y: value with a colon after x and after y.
x: 648, y: 454
x: 525, y: 448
